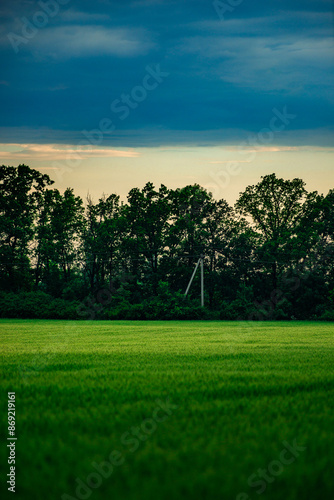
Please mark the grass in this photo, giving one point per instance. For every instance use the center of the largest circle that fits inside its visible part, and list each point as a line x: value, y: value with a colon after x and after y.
x: 241, y: 390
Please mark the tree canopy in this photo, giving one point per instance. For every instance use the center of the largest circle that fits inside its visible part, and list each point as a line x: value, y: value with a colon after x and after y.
x: 269, y: 256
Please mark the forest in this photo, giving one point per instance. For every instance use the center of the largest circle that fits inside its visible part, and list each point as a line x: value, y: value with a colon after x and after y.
x: 268, y: 257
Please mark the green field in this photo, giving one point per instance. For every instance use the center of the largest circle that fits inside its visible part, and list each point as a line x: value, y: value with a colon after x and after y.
x: 239, y: 394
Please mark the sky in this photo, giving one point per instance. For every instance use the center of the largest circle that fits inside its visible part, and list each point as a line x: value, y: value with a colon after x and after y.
x: 107, y: 95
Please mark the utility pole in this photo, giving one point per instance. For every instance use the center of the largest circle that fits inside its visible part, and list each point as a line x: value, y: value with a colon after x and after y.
x: 192, y: 277
x: 200, y: 261
x: 202, y: 280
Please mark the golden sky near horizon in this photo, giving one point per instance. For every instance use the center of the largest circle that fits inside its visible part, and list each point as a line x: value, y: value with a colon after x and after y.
x: 223, y: 170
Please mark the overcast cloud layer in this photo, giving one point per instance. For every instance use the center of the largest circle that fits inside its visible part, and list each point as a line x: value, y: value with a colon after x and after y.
x: 221, y: 73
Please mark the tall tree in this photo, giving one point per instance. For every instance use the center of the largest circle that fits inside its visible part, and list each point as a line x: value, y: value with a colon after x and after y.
x: 101, y: 240
x: 21, y: 192
x: 59, y: 224
x: 147, y: 216
x: 67, y: 225
x: 190, y: 206
x: 275, y: 206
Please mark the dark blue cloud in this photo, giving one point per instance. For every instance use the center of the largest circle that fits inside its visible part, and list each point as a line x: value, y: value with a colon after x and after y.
x: 227, y: 69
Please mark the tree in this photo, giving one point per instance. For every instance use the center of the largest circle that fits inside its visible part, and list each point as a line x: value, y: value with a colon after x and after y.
x: 21, y: 191
x: 272, y: 254
x: 275, y: 206
x: 58, y: 231
x: 101, y: 240
x: 44, y: 253
x: 67, y: 225
x: 189, y: 208
x: 147, y: 216
x: 315, y: 243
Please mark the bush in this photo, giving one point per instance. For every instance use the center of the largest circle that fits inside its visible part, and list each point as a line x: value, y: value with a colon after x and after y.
x: 155, y: 310
x: 242, y: 307
x: 166, y: 305
x: 29, y: 305
x: 327, y: 316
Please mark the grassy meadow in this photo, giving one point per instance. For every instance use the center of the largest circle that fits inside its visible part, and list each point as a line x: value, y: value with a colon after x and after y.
x: 169, y: 410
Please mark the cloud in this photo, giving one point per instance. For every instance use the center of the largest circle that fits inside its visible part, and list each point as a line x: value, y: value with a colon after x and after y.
x: 268, y: 149
x: 265, y: 63
x: 76, y: 16
x: 225, y: 77
x: 149, y: 3
x: 229, y: 161
x: 65, y: 42
x: 311, y: 24
x: 50, y: 152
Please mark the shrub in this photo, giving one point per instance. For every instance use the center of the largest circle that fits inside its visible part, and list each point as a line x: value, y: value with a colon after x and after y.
x: 29, y: 305
x: 327, y: 316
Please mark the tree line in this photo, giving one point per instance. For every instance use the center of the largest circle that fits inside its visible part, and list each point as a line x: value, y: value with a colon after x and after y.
x: 268, y: 257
